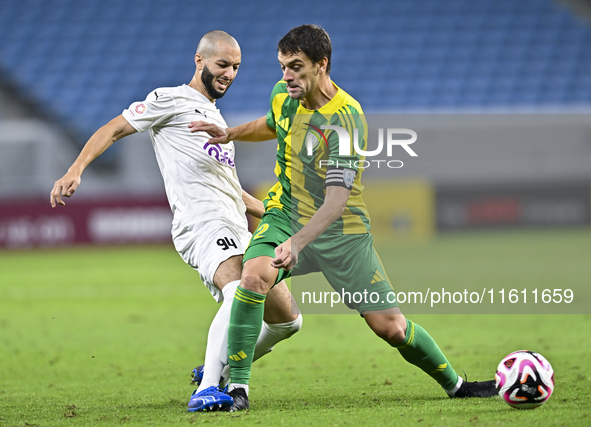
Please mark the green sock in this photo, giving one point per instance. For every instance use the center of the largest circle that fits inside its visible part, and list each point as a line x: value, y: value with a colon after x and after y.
x: 246, y: 321
x: 421, y: 350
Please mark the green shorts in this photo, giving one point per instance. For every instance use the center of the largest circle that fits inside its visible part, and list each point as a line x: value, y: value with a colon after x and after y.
x: 349, y: 262
x: 271, y: 232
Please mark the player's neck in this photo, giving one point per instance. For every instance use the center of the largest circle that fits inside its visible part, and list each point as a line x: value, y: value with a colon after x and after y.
x: 324, y: 91
x: 197, y: 84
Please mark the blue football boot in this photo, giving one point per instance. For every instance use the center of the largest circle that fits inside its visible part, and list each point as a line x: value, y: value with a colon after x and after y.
x: 210, y: 399
x: 197, y: 377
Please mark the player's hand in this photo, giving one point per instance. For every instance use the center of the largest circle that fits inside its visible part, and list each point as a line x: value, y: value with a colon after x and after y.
x: 286, y: 256
x: 218, y: 134
x: 65, y: 186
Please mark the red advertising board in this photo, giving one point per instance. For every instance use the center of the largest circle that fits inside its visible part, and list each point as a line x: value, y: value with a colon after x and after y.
x: 130, y: 220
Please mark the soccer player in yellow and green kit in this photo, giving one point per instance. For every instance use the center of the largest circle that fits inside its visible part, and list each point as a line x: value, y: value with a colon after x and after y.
x: 315, y: 218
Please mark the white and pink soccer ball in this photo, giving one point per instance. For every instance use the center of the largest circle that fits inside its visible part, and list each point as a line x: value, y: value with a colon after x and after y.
x: 525, y: 379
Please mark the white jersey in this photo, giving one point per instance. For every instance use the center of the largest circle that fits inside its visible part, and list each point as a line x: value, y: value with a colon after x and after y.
x: 200, y: 179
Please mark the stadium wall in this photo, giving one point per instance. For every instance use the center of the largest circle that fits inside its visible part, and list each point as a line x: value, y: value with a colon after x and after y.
x: 471, y: 171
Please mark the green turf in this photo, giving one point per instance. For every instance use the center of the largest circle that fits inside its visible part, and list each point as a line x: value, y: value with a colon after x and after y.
x: 107, y: 336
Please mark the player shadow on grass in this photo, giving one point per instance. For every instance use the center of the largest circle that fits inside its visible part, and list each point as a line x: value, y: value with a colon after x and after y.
x: 170, y: 403
x: 377, y: 399
x: 349, y: 401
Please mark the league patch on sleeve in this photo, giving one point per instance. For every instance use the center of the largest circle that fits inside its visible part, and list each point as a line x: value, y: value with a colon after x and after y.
x: 341, y: 177
x: 349, y: 177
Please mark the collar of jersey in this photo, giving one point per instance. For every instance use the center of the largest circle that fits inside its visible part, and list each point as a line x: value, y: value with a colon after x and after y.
x: 328, y: 107
x: 207, y: 102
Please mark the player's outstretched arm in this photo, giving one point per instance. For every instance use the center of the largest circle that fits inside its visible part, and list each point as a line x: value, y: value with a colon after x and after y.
x: 254, y: 206
x: 255, y: 131
x: 335, y: 202
x: 96, y: 145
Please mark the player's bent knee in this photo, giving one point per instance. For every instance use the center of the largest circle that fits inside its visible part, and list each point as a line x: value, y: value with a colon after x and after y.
x: 254, y: 282
x: 391, y: 332
x: 392, y: 335
x: 258, y: 275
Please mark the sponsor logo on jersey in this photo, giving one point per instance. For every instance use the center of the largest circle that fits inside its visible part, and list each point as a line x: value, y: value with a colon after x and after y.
x: 224, y: 157
x: 284, y: 123
x: 140, y: 108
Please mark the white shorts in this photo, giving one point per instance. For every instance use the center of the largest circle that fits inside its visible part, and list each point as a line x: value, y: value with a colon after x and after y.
x: 206, y: 246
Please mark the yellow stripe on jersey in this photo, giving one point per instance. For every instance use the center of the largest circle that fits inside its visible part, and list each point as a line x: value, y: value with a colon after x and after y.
x: 345, y: 117
x: 275, y: 200
x: 277, y: 104
x: 305, y: 202
x: 287, y: 156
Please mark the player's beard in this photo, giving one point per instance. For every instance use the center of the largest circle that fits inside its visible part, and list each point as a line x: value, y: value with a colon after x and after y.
x: 207, y: 78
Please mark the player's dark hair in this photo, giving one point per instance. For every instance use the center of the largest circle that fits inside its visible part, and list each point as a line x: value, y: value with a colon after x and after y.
x: 310, y: 39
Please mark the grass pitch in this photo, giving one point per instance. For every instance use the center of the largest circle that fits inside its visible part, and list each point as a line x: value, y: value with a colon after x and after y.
x: 107, y: 336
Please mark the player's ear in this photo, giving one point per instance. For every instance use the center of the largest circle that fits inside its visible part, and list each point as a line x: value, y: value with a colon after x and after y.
x: 322, y: 64
x: 199, y: 61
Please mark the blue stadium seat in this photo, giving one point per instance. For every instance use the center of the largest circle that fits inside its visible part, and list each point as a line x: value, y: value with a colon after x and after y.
x: 86, y: 61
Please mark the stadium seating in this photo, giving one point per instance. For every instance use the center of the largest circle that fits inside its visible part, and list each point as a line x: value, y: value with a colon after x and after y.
x: 85, y: 61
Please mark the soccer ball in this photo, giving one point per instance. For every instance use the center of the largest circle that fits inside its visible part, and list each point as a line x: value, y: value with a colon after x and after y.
x: 525, y: 379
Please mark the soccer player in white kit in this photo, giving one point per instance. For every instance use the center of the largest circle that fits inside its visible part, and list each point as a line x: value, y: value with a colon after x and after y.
x: 209, y: 227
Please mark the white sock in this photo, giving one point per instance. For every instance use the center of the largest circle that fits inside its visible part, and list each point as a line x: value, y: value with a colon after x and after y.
x: 271, y: 334
x: 456, y: 388
x: 216, y: 352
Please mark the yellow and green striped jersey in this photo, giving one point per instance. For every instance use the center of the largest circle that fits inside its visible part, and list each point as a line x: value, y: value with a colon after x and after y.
x: 305, y: 152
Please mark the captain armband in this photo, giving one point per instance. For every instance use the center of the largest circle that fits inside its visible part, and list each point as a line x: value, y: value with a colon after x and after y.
x: 340, y: 177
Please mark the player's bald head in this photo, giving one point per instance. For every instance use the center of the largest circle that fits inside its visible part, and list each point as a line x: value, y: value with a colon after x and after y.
x: 210, y: 43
